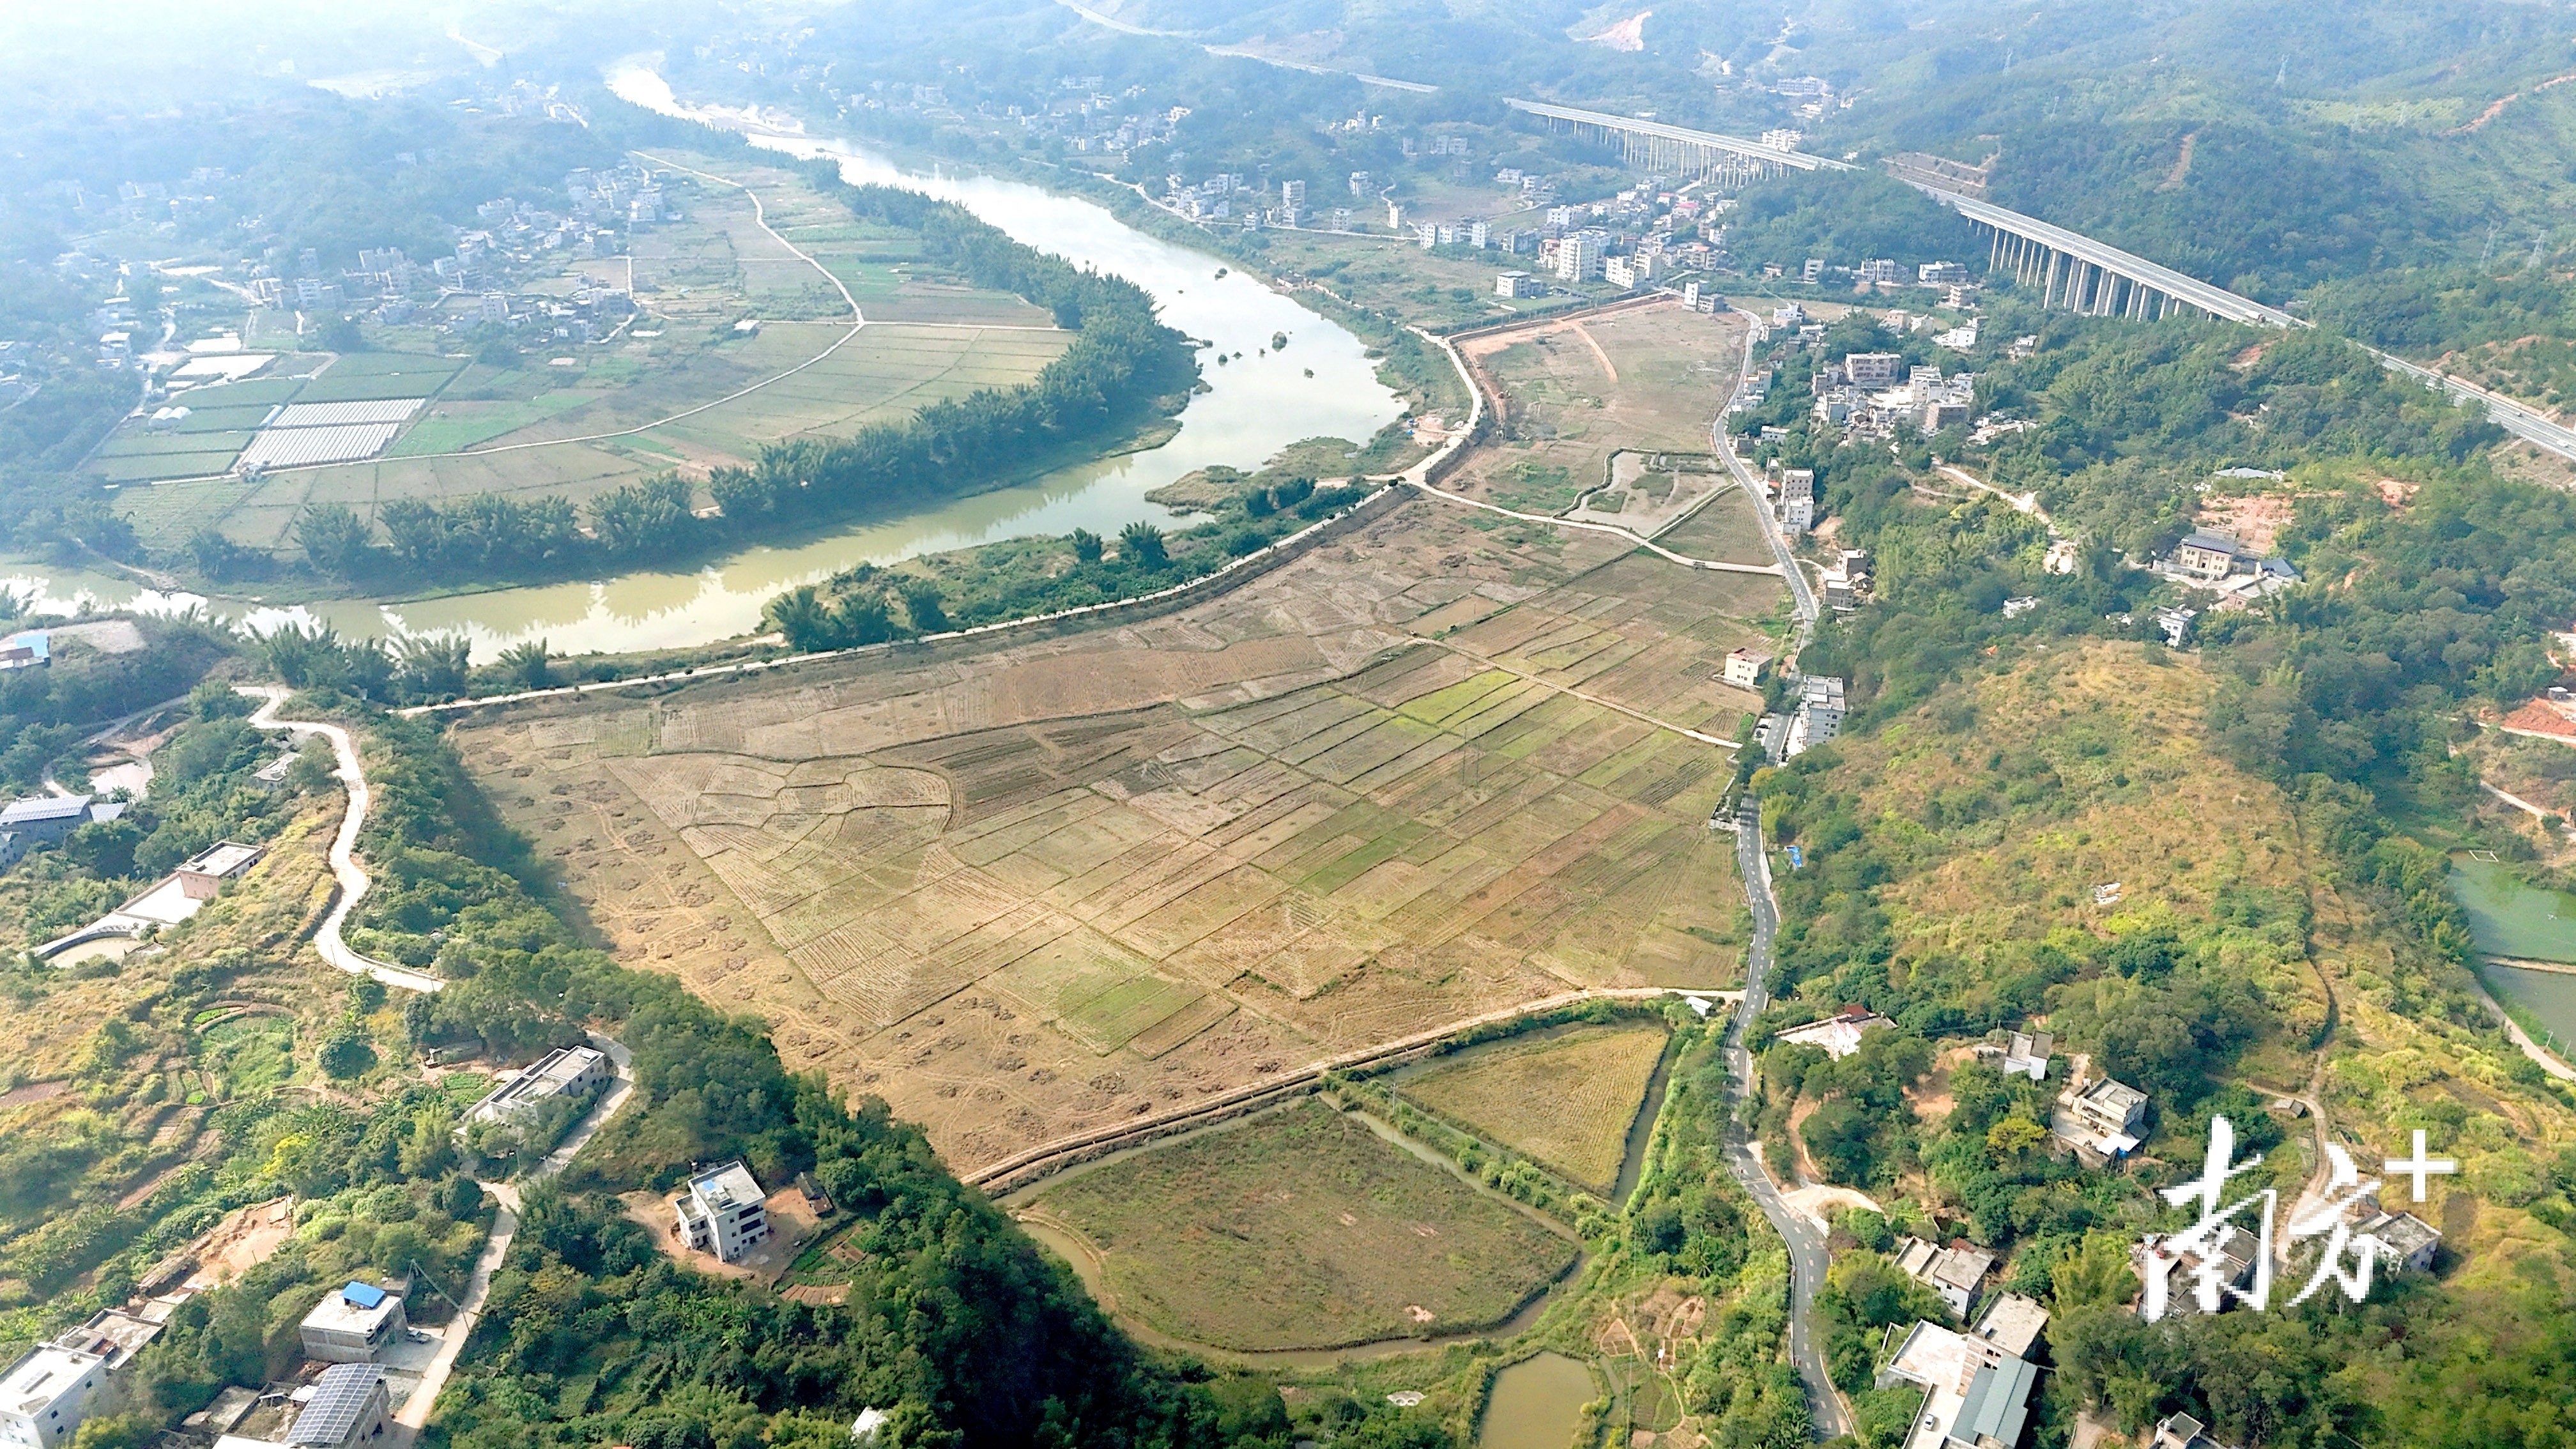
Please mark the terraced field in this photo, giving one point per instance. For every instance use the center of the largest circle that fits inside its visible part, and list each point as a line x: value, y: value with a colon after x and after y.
x: 1424, y: 773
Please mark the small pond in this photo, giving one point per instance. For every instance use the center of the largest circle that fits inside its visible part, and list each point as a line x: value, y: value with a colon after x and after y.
x: 2508, y: 917
x: 1536, y: 1404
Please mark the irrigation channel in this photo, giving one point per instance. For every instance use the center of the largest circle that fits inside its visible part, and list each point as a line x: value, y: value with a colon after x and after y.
x: 1255, y: 406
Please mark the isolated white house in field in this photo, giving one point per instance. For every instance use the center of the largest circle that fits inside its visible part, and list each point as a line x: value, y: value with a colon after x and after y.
x: 723, y: 1212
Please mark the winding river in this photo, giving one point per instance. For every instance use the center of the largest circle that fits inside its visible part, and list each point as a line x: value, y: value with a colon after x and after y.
x: 1254, y: 408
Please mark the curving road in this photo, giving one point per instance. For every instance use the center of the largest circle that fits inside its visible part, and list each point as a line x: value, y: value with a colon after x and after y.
x: 1808, y: 1258
x: 1806, y: 1241
x: 327, y: 940
x: 505, y: 1226
x: 345, y: 869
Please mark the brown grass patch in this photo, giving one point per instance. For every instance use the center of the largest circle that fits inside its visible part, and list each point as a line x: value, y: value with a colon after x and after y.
x: 1566, y: 1098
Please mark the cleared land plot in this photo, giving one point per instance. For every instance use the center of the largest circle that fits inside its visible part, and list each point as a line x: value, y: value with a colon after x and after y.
x: 1038, y: 888
x: 1303, y: 1228
x: 1725, y: 528
x: 1575, y: 392
x: 1566, y: 1098
x: 1394, y: 274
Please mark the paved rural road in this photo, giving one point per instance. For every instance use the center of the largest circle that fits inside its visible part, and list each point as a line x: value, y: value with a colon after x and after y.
x: 505, y: 1226
x: 1807, y: 1258
x: 1725, y: 446
x: 1806, y: 1242
x: 344, y: 847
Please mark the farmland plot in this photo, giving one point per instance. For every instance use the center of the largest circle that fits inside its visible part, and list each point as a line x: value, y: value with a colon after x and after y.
x: 1041, y: 887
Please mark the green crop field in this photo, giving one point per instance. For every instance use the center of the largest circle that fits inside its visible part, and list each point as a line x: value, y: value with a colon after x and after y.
x: 692, y: 393
x: 489, y: 416
x: 1565, y: 1097
x: 1303, y: 1228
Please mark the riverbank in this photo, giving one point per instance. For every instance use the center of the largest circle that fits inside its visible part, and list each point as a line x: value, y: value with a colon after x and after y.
x: 1255, y: 407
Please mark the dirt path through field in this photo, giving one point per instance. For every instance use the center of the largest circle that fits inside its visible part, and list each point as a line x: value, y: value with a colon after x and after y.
x: 1595, y: 344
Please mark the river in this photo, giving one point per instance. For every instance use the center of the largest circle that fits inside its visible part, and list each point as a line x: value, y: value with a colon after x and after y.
x: 1254, y: 408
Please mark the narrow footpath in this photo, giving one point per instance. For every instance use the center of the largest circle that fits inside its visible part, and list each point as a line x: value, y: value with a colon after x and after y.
x: 345, y: 869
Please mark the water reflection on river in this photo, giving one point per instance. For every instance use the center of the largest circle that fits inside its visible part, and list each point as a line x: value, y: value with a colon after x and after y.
x: 1255, y: 407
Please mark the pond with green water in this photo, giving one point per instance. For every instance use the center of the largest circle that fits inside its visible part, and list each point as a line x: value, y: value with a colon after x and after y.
x: 2510, y: 917
x: 1536, y: 1404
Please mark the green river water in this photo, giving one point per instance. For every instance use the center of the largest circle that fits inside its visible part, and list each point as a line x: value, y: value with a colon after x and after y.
x: 2508, y: 917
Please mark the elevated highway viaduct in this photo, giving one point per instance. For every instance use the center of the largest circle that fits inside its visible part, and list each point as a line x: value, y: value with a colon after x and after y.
x: 2064, y: 268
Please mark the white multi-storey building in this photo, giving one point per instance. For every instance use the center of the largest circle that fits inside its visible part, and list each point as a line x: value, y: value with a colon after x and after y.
x: 723, y: 1212
x: 45, y: 1395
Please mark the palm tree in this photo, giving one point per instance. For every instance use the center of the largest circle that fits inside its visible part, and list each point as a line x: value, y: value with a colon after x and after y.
x: 526, y: 663
x: 1141, y: 543
x: 432, y: 665
x: 800, y: 614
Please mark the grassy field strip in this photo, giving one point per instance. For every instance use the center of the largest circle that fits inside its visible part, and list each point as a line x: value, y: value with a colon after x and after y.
x: 1566, y: 1099
x: 1289, y: 1082
x: 1307, y: 1229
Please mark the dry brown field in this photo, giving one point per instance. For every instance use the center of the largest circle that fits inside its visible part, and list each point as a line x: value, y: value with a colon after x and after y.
x: 1303, y: 1228
x: 1040, y: 887
x: 1566, y: 1097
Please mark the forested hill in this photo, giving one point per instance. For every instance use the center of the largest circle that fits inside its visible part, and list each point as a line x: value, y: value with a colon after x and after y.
x: 951, y: 1320
x: 2219, y: 873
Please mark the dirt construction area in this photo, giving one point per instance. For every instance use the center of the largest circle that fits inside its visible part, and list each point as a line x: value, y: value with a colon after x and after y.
x: 1428, y: 770
x: 1642, y: 381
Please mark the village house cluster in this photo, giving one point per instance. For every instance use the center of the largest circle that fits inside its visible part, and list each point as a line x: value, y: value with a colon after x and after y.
x: 361, y: 1356
x: 1875, y: 394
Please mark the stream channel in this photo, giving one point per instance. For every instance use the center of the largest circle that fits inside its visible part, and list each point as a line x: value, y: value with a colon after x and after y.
x: 1253, y: 408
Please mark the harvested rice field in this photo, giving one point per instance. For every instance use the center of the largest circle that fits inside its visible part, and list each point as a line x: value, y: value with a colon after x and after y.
x: 1429, y: 771
x: 1564, y: 1097
x: 1301, y: 1228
